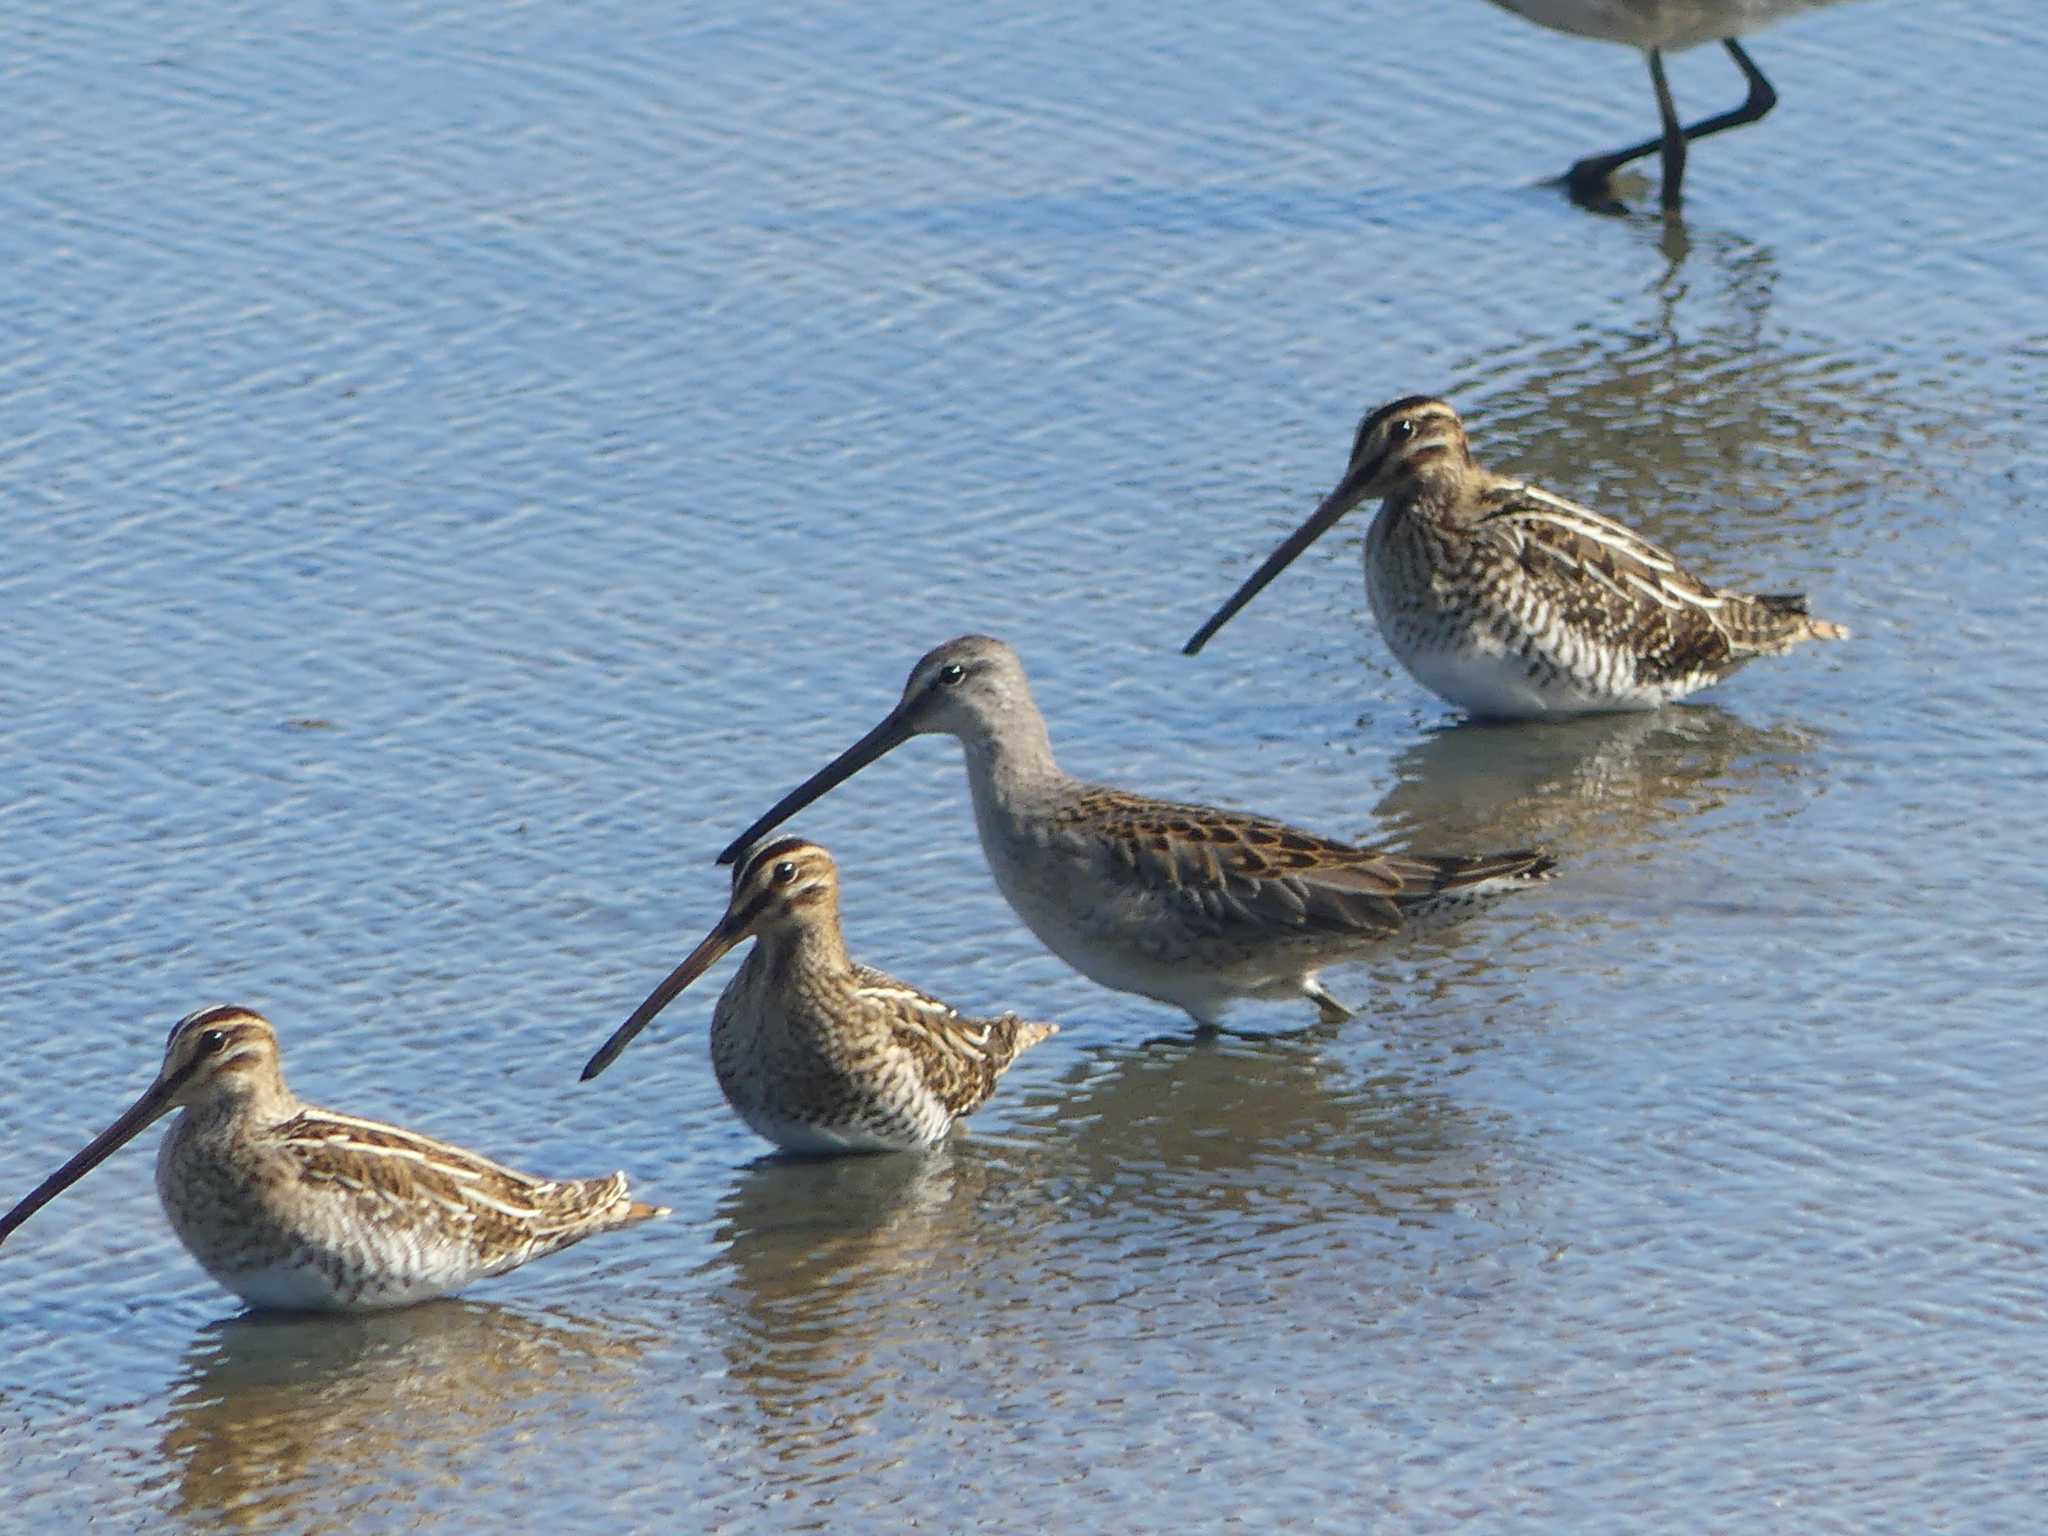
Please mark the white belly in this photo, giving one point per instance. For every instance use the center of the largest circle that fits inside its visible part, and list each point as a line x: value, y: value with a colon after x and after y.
x: 1109, y: 964
x: 304, y: 1288
x: 1492, y: 684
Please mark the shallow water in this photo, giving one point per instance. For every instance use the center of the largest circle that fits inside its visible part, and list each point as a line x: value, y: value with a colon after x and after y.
x: 460, y: 463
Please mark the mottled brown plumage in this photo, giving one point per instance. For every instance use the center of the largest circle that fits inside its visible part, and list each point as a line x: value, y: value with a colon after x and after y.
x: 511, y: 1215
x: 815, y: 1052
x: 1514, y: 603
x: 296, y: 1207
x: 1239, y: 864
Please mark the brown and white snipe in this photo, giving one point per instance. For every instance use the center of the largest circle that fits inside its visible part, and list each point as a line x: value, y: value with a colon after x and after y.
x: 815, y: 1052
x: 1186, y: 904
x: 1513, y: 603
x: 294, y: 1207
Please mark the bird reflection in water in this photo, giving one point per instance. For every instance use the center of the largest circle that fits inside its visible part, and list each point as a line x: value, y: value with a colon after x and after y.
x: 1688, y: 411
x: 835, y: 1266
x: 1603, y: 785
x: 1203, y: 1145
x: 869, y: 1301
x: 283, y: 1422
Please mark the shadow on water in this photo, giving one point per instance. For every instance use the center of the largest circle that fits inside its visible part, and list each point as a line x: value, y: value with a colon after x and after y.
x: 307, y: 1423
x: 1151, y: 1179
x: 1195, y: 1140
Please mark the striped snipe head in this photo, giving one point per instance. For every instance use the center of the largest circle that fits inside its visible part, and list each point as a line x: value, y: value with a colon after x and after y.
x: 783, y: 882
x: 1399, y: 447
x: 1400, y: 443
x: 215, y: 1053
x: 218, y: 1051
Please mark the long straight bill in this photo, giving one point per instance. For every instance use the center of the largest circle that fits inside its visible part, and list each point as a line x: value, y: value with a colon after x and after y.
x: 729, y: 932
x: 134, y: 1120
x: 1350, y: 491
x: 891, y: 733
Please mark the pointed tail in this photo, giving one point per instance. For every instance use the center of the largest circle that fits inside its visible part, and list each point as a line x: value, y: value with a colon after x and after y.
x: 606, y: 1205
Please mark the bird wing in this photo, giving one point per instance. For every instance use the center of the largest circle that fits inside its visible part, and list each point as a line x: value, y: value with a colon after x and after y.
x: 393, y: 1175
x: 959, y: 1058
x: 1229, y: 870
x: 1581, y: 545
x: 1605, y: 579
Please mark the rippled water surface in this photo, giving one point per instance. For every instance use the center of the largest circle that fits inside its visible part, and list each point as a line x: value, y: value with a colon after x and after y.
x: 461, y: 461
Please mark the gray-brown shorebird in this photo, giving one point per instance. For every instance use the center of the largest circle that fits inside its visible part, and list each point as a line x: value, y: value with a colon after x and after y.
x: 1186, y: 904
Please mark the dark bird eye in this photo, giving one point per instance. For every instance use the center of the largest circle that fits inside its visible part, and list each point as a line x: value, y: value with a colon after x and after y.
x: 1401, y: 430
x: 213, y: 1040
x: 785, y: 872
x: 951, y: 673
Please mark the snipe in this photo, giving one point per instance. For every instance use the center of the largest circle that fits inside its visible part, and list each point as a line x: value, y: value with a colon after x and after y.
x: 815, y: 1052
x: 295, y: 1207
x: 1514, y: 603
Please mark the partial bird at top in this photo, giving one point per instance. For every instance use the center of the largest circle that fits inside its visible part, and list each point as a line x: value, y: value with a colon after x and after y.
x: 1515, y: 604
x: 1659, y: 27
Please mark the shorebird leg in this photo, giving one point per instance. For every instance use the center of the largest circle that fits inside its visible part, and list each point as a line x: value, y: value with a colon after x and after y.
x: 1589, y: 181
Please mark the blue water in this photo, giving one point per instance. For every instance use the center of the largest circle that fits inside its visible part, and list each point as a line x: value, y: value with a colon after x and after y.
x: 461, y: 462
